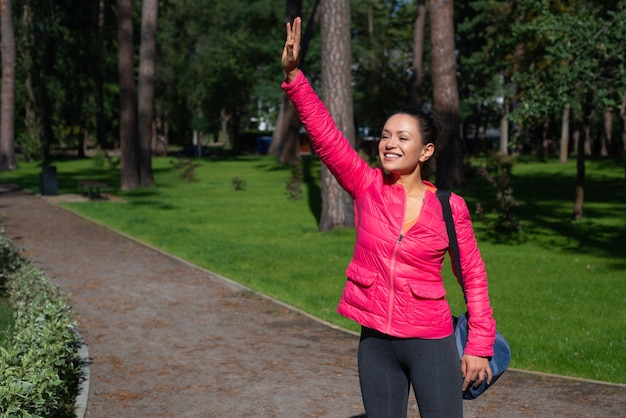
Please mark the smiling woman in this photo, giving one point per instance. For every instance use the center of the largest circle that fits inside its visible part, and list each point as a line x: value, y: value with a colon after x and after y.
x: 394, y: 288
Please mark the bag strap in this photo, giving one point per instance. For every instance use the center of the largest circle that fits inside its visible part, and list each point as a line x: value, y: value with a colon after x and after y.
x: 444, y: 198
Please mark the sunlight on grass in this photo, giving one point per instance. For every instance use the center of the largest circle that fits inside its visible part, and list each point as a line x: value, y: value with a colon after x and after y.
x: 558, y: 291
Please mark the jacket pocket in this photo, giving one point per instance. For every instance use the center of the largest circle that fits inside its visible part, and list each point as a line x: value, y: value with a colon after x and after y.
x: 359, y: 290
x: 427, y: 305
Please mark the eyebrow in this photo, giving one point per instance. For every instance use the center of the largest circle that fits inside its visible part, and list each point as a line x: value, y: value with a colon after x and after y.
x: 389, y: 130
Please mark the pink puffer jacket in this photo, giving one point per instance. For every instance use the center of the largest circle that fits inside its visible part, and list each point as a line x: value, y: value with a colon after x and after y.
x: 394, y: 282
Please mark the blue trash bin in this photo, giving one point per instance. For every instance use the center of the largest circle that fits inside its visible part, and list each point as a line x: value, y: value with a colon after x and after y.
x: 263, y: 144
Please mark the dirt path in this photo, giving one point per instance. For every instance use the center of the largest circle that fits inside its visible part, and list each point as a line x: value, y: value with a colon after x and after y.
x: 170, y: 340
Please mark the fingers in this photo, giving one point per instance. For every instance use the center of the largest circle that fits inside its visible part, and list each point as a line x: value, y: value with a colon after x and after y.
x: 292, y: 48
x: 475, y: 370
x: 297, y: 29
x: 294, y: 32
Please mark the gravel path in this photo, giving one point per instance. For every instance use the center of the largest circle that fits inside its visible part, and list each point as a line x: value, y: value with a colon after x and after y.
x: 168, y: 339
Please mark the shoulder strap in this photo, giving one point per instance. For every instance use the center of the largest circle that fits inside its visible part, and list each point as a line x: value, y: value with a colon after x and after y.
x: 444, y: 198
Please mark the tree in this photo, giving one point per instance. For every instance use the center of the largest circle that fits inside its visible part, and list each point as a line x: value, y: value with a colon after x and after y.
x: 418, y: 54
x: 449, y: 163
x: 100, y: 77
x: 337, y: 209
x: 564, y: 148
x: 287, y: 132
x: 574, y: 65
x: 622, y: 113
x: 382, y: 58
x: 7, y: 117
x: 129, y: 178
x: 145, y: 101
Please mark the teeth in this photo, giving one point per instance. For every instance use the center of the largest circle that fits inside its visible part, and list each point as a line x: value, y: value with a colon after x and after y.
x: 391, y: 155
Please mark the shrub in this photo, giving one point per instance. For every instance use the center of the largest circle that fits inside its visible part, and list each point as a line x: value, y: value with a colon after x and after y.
x: 498, y: 175
x: 187, y: 169
x: 39, y: 367
x: 294, y: 186
x: 238, y: 183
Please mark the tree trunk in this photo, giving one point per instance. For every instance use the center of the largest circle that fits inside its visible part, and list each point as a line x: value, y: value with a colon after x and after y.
x: 504, y: 130
x: 608, y: 127
x: 33, y: 128
x: 286, y: 138
x: 564, y: 149
x: 622, y: 113
x: 449, y: 163
x: 418, y: 55
x: 337, y: 205
x: 545, y: 138
x: 580, y: 162
x: 145, y: 97
x: 129, y: 178
x: 7, y: 117
x: 99, y: 79
x: 45, y: 71
x: 580, y: 181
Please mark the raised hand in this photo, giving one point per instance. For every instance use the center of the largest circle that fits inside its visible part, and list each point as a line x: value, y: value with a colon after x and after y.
x: 292, y: 49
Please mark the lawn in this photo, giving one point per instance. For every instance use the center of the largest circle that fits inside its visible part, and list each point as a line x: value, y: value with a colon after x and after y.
x: 558, y: 288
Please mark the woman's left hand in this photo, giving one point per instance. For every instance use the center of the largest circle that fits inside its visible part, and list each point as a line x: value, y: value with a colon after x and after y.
x: 475, y: 368
x: 291, y: 51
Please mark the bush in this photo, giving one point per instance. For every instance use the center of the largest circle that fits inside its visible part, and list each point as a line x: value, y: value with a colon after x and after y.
x: 498, y: 175
x: 39, y: 367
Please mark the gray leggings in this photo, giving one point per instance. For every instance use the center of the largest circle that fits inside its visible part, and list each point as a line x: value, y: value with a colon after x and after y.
x: 387, y: 365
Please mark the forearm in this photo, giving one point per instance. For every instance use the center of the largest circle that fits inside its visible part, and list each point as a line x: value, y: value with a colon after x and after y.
x: 482, y: 325
x: 328, y: 142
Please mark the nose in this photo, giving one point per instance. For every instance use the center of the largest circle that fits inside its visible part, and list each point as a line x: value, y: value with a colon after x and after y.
x: 391, y: 142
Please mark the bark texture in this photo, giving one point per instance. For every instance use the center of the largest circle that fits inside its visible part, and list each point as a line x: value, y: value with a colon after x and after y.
x: 337, y: 205
x: 129, y: 178
x: 449, y: 162
x: 145, y: 98
x: 7, y: 117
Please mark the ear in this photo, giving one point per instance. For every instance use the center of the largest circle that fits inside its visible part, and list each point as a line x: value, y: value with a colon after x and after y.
x: 427, y: 152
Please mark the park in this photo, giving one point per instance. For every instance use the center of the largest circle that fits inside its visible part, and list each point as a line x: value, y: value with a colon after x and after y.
x: 180, y: 235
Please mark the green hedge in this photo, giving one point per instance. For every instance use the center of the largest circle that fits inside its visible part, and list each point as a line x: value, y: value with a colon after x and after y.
x: 39, y: 365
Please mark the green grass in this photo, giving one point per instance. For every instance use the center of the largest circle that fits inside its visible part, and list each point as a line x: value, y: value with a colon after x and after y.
x: 558, y: 291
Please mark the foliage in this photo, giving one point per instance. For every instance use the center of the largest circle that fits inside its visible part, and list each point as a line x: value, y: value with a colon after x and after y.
x: 484, y: 62
x: 187, y: 169
x: 535, y: 56
x: 575, y: 61
x: 6, y: 319
x: 217, y: 65
x: 294, y: 185
x: 382, y: 59
x: 497, y: 172
x: 39, y: 369
x: 238, y: 183
x: 210, y: 56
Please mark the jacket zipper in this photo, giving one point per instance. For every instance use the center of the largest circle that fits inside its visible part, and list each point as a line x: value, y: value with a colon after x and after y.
x: 392, y: 276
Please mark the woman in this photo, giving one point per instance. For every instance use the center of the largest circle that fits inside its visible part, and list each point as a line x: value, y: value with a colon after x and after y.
x: 394, y: 287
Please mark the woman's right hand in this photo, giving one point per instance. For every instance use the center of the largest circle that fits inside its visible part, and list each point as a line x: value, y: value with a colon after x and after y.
x: 292, y: 49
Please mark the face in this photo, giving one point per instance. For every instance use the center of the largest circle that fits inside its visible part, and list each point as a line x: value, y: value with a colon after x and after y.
x: 400, y: 148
